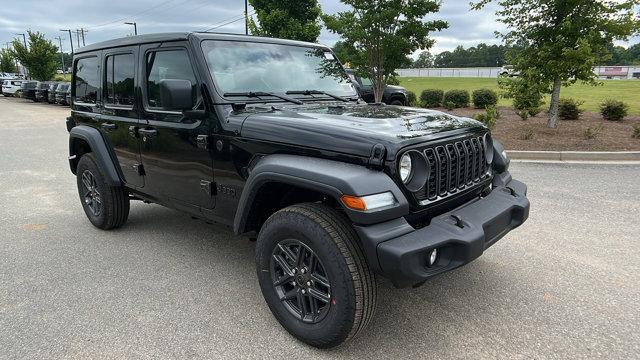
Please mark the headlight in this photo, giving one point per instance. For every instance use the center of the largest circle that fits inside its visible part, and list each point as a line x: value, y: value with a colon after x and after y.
x: 405, y: 168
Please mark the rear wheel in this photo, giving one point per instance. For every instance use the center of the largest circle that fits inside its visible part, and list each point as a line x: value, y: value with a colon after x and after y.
x: 107, y: 207
x: 314, y: 276
x: 397, y: 102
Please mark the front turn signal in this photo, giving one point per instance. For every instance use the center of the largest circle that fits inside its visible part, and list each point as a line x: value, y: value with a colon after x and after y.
x: 369, y: 202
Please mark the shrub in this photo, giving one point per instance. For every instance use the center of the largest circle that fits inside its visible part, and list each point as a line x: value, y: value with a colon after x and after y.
x: 524, y: 114
x: 392, y: 80
x: 528, y: 134
x: 411, y: 98
x: 636, y: 131
x: 488, y: 117
x: 449, y: 105
x: 591, y: 133
x: 527, y: 94
x: 431, y: 98
x: 534, y: 111
x: 484, y: 97
x: 569, y: 109
x: 614, y: 110
x: 459, y: 98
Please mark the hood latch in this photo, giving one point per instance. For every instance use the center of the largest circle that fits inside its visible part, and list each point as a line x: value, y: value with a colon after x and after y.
x: 378, y: 153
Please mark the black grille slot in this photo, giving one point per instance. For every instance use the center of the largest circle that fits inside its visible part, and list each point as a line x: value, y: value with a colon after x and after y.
x: 454, y: 166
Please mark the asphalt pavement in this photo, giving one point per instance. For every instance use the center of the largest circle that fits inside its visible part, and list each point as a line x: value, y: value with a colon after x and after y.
x: 564, y: 285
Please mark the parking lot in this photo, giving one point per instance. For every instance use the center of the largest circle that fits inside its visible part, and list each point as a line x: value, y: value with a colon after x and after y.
x: 564, y: 285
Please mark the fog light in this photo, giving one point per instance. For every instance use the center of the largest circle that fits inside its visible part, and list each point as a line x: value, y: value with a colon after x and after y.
x: 433, y: 256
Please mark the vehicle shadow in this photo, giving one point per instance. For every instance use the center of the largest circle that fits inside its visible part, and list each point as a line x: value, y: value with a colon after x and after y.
x: 406, y: 319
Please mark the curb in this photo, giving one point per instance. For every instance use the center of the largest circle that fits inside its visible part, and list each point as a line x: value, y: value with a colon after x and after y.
x: 622, y: 156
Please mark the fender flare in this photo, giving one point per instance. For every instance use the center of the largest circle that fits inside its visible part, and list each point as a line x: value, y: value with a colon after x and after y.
x: 98, y: 146
x: 330, y: 177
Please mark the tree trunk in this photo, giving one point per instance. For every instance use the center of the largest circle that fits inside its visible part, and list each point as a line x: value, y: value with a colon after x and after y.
x: 553, y: 109
x: 378, y: 88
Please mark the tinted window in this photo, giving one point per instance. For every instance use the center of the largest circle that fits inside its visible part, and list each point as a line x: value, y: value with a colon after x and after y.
x: 87, y: 80
x: 119, y: 86
x: 172, y: 64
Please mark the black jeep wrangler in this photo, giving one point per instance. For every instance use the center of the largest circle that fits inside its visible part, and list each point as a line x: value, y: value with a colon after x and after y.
x: 269, y: 137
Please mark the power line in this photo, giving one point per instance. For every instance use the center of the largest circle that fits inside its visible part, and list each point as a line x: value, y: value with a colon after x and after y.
x: 131, y: 16
x: 229, y: 21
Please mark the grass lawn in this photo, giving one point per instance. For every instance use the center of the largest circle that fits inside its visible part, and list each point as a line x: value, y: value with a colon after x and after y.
x: 625, y: 90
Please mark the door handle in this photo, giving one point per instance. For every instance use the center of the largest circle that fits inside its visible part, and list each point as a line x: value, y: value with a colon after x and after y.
x: 148, y: 133
x: 109, y: 126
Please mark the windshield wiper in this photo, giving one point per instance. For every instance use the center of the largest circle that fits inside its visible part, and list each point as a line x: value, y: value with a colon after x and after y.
x: 258, y: 94
x: 316, y: 92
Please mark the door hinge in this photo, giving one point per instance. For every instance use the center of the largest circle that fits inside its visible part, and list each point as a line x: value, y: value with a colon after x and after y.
x: 203, y: 142
x: 378, y: 153
x: 209, y: 187
x: 139, y: 169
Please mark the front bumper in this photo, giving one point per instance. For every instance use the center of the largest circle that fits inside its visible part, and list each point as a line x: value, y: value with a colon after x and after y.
x: 399, y: 252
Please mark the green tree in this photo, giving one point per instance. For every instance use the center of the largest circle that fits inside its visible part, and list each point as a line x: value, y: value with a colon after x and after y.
x: 382, y: 33
x: 39, y: 58
x: 563, y: 39
x: 424, y: 60
x: 344, y: 52
x: 286, y: 19
x: 7, y: 61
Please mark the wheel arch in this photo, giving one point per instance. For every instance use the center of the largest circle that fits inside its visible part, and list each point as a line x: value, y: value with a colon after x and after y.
x: 314, y: 178
x: 84, y: 139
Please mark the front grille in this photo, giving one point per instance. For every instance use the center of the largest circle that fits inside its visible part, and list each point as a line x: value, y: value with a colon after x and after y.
x: 453, y: 167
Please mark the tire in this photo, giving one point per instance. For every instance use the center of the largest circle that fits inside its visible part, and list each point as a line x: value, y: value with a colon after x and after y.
x: 107, y: 207
x: 350, y: 297
x: 397, y: 102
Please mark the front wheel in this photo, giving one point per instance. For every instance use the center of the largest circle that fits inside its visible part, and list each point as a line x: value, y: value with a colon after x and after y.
x: 314, y: 276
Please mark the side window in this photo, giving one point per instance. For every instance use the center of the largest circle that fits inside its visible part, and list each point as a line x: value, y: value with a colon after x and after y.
x: 118, y: 84
x: 86, y: 86
x: 168, y: 64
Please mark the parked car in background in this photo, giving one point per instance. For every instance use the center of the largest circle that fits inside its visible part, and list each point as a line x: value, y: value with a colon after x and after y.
x: 508, y: 71
x: 51, y: 93
x: 11, y: 87
x: 393, y: 95
x: 42, y: 91
x: 29, y: 90
x: 61, y: 93
x: 3, y: 77
x: 67, y: 96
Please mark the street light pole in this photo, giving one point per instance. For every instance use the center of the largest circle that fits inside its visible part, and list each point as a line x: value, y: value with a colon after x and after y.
x: 24, y: 39
x: 70, y: 38
x: 246, y: 17
x: 135, y: 27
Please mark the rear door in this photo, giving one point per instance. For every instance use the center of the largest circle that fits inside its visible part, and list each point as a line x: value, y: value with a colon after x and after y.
x: 120, y: 111
x: 177, y: 169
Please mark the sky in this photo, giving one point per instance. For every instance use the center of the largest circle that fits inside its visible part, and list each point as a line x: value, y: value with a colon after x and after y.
x: 104, y: 20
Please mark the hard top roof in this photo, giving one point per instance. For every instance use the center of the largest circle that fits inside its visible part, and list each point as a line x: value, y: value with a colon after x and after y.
x: 177, y: 36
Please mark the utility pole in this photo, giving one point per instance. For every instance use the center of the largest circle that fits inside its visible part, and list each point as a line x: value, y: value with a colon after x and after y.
x: 70, y: 38
x: 246, y: 17
x: 64, y: 68
x: 77, y: 32
x: 82, y: 31
x: 135, y: 27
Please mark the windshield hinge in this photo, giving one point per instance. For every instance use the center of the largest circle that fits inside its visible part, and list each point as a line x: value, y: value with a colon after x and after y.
x: 377, y: 155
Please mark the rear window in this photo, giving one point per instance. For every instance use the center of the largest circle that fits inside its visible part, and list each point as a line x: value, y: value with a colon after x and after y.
x: 86, y: 84
x: 119, y: 86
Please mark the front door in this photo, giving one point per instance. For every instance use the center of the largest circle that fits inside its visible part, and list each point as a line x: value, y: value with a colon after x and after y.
x: 177, y: 170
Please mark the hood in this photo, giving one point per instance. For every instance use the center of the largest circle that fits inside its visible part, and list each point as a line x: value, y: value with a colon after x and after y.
x: 395, y: 88
x: 354, y: 128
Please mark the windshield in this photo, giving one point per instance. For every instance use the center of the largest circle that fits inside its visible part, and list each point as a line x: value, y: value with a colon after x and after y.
x: 239, y: 67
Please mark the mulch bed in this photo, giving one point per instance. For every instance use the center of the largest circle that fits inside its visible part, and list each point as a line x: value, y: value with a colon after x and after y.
x: 510, y: 129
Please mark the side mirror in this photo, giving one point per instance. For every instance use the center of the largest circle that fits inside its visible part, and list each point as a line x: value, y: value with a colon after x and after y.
x: 176, y: 94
